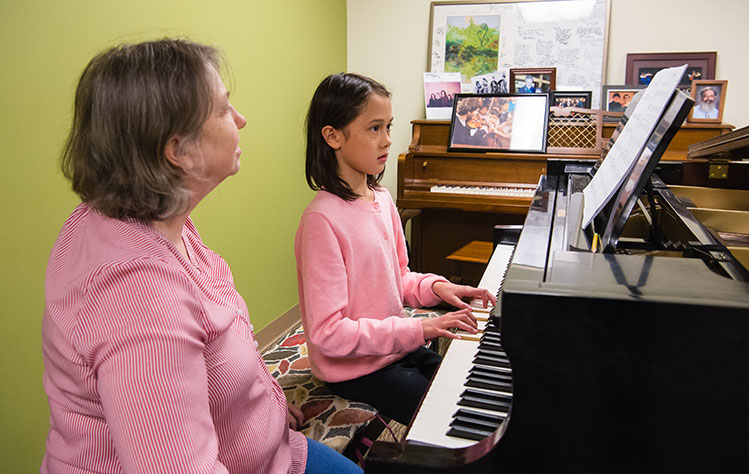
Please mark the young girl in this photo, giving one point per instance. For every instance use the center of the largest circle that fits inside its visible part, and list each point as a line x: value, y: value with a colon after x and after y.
x: 352, y: 265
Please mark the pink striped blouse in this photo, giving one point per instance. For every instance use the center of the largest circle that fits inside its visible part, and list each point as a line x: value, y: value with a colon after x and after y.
x: 150, y: 360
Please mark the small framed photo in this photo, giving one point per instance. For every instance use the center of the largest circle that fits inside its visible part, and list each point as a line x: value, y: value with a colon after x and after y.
x: 571, y: 99
x: 492, y: 83
x: 499, y: 122
x: 617, y: 98
x: 709, y: 99
x: 641, y: 67
x: 533, y: 80
x: 439, y: 91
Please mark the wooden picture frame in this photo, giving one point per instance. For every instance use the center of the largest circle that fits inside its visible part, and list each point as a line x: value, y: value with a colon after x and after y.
x: 564, y: 99
x: 499, y: 122
x: 483, y: 37
x: 610, y: 94
x: 641, y: 67
x: 537, y: 80
x: 712, y: 91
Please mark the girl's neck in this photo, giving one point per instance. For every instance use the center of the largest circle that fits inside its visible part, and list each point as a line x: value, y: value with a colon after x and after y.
x: 361, y: 188
x: 358, y: 184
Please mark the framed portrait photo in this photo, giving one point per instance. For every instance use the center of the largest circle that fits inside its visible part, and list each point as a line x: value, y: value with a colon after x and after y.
x: 580, y: 99
x: 617, y: 98
x: 641, y: 67
x: 533, y: 80
x: 499, y: 122
x: 709, y: 99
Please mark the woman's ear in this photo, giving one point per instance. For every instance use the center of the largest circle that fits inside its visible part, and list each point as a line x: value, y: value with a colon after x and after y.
x: 331, y: 136
x: 176, y: 153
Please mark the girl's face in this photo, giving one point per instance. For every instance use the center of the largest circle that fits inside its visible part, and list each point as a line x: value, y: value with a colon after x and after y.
x: 362, y: 146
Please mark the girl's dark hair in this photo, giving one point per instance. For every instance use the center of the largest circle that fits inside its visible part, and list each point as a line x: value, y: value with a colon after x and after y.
x: 338, y: 100
x: 130, y: 101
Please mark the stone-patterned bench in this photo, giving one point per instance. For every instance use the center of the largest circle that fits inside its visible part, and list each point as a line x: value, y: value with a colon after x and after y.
x: 330, y: 419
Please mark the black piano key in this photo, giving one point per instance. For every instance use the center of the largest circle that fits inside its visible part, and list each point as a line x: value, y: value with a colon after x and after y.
x: 491, y: 337
x: 491, y: 361
x: 479, y: 416
x: 491, y: 329
x: 477, y: 399
x: 488, y: 384
x: 493, y: 353
x: 468, y: 433
x: 477, y: 423
x: 488, y: 373
x: 498, y: 373
x: 491, y: 345
x: 502, y: 374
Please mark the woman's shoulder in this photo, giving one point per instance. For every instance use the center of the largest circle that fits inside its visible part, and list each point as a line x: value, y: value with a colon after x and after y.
x: 90, y: 242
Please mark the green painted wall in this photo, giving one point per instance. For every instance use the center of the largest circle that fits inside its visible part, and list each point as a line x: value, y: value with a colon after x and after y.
x: 278, y: 52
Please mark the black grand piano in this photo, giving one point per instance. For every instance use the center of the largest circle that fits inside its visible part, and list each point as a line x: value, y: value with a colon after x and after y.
x: 630, y: 359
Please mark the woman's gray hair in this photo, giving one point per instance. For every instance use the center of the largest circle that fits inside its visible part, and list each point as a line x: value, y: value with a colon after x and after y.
x: 130, y: 101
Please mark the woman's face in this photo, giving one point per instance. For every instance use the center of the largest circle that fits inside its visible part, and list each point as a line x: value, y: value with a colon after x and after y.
x: 218, y: 146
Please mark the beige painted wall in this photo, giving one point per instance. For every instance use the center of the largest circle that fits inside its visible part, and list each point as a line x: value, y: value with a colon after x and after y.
x: 387, y: 39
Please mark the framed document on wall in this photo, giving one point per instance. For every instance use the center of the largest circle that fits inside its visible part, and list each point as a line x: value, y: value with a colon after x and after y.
x: 476, y: 38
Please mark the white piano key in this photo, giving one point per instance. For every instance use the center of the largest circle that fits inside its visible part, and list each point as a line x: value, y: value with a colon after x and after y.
x: 433, y: 419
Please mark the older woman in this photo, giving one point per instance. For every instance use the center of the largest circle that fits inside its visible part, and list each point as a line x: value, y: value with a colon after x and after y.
x: 150, y: 360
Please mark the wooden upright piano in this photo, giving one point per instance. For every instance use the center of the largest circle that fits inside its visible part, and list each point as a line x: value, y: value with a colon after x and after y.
x: 452, y: 198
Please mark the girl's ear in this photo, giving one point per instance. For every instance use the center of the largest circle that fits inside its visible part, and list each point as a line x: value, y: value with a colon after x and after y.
x: 176, y: 153
x: 331, y: 136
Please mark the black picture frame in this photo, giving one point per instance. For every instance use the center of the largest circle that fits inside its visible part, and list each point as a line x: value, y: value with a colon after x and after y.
x: 563, y: 99
x: 499, y: 123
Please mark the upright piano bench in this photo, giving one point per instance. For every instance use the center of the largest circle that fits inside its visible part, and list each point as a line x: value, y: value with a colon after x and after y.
x: 474, y: 252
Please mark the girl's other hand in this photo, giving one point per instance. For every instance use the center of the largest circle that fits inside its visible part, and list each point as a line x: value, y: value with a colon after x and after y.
x: 440, y: 326
x: 452, y: 294
x: 296, y: 417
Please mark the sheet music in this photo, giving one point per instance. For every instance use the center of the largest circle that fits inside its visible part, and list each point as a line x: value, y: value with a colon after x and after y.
x: 631, y: 141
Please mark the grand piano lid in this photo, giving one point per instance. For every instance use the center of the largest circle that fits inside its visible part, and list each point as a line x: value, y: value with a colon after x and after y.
x: 639, y: 277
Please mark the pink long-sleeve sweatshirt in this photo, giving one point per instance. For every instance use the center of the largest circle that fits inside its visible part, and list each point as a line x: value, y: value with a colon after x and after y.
x: 150, y: 362
x: 353, y: 277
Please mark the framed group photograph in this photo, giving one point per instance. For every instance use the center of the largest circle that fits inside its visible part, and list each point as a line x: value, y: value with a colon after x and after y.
x: 617, y: 98
x: 499, y: 122
x: 580, y: 99
x: 709, y: 99
x: 533, y: 80
x: 641, y: 67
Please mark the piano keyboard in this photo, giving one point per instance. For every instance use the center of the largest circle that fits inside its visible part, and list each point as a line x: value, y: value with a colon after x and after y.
x: 471, y: 393
x: 485, y: 190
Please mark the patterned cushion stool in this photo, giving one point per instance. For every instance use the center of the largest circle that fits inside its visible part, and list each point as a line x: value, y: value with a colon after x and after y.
x: 330, y: 419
